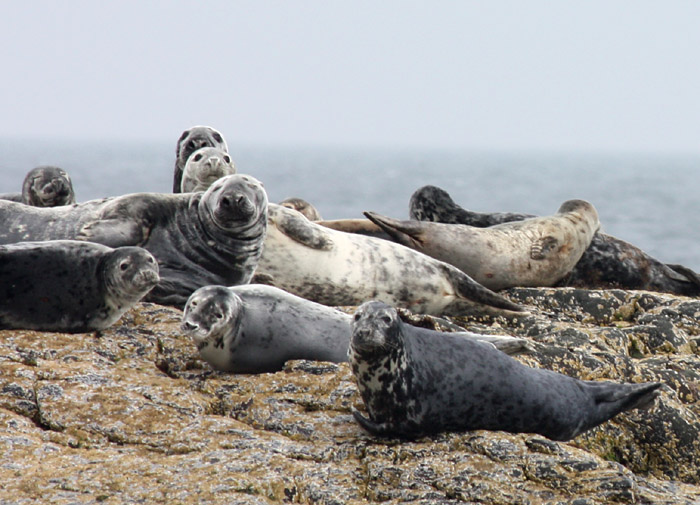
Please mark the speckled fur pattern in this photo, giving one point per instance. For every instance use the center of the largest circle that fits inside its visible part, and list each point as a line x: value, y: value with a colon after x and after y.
x: 538, y: 251
x: 257, y: 328
x: 336, y: 268
x: 198, y: 239
x: 71, y: 286
x: 416, y: 381
x: 607, y: 263
x: 204, y: 167
x: 303, y: 207
x: 190, y: 141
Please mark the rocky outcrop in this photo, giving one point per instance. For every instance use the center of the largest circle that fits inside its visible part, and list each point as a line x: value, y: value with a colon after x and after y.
x: 132, y: 415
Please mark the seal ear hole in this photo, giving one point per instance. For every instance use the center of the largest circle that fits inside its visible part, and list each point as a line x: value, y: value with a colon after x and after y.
x: 198, y: 157
x: 219, y: 315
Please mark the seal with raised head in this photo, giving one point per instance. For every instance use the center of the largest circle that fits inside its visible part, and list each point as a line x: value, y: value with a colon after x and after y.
x: 303, y: 207
x: 203, y: 167
x: 71, y: 286
x: 190, y: 141
x: 538, y: 251
x: 607, y: 263
x: 336, y: 268
x: 215, y: 237
x: 44, y: 186
x: 415, y: 381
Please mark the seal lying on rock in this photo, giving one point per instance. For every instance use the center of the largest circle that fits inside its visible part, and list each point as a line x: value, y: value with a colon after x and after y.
x: 535, y: 252
x: 71, y: 286
x: 257, y: 328
x: 44, y: 186
x: 607, y: 263
x: 204, y: 167
x: 190, y: 141
x: 198, y: 239
x: 416, y: 381
x: 336, y: 268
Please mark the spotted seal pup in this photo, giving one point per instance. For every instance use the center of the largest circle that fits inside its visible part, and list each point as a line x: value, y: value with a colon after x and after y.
x: 203, y: 167
x: 336, y: 268
x: 416, y: 381
x: 538, y: 251
x: 44, y: 186
x: 607, y: 263
x: 303, y: 207
x: 71, y: 286
x: 190, y: 141
x: 198, y: 239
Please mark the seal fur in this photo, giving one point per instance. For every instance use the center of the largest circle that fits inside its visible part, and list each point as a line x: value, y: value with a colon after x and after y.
x: 190, y: 141
x: 203, y: 167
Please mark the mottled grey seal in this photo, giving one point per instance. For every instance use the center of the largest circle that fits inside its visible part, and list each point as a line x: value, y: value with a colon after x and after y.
x: 607, y: 263
x: 336, y: 268
x: 44, y: 186
x: 416, y: 381
x: 198, y: 239
x: 303, y: 207
x: 71, y: 286
x: 538, y: 251
x: 191, y: 140
x: 203, y: 167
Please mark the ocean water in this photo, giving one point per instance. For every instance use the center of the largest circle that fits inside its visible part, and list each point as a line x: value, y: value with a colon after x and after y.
x: 651, y: 201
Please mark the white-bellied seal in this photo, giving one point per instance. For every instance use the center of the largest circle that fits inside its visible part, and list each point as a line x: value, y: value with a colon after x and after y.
x: 44, y: 186
x: 538, y: 251
x: 607, y: 263
x: 198, y: 239
x: 303, y: 207
x: 71, y: 286
x: 203, y: 167
x: 336, y: 268
x: 191, y: 140
x: 416, y: 381
x: 257, y: 328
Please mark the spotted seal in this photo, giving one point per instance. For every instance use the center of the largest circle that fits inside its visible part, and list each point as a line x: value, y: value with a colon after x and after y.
x: 607, y: 263
x: 203, y: 167
x: 44, y: 186
x: 416, y: 381
x: 190, y: 141
x: 538, y: 251
x: 303, y: 207
x: 198, y: 239
x: 71, y: 286
x: 336, y: 268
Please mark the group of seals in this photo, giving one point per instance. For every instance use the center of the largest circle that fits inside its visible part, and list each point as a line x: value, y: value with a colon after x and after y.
x: 44, y: 186
x: 190, y: 141
x: 71, y: 286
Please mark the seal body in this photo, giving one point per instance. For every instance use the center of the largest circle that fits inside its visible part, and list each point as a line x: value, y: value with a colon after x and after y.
x: 416, y: 381
x: 198, y: 239
x: 190, y: 141
x: 203, y: 167
x: 71, y: 286
x: 336, y: 268
x: 535, y: 252
x: 303, y: 207
x: 45, y: 186
x: 608, y: 262
x: 257, y: 328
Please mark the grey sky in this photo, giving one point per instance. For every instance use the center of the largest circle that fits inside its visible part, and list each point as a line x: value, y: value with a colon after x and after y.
x: 491, y: 74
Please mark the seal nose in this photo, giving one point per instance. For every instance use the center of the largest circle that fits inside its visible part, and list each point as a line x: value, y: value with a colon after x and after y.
x: 188, y: 326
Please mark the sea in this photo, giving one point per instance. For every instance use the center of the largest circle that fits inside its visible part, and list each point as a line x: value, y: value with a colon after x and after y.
x: 649, y: 200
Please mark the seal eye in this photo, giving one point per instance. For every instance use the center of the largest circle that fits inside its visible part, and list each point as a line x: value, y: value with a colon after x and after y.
x: 193, y: 303
x: 218, y: 138
x: 386, y: 319
x: 198, y: 157
x: 219, y: 315
x: 357, y: 317
x: 227, y: 159
x: 124, y: 265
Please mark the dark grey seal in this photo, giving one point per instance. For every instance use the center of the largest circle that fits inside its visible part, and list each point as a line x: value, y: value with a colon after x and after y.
x: 71, y: 286
x: 607, y: 263
x: 198, y: 239
x: 416, y: 381
x: 204, y: 167
x: 190, y: 141
x: 45, y: 186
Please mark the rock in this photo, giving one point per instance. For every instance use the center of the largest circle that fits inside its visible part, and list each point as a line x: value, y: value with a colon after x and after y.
x: 133, y: 415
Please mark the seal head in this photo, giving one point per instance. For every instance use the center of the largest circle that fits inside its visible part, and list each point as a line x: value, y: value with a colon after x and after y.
x: 47, y: 186
x: 190, y: 141
x: 205, y: 166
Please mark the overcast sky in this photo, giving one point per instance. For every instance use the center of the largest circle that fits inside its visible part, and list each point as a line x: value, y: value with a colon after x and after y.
x: 593, y: 75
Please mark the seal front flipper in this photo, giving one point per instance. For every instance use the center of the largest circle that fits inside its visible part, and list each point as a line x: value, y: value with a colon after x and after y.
x: 381, y: 429
x: 685, y: 273
x: 542, y: 247
x: 300, y: 229
x: 114, y: 232
x: 406, y: 233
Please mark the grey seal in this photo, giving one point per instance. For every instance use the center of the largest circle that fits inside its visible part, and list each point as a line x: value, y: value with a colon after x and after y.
x: 607, y: 263
x: 190, y: 141
x: 416, y: 381
x: 44, y: 186
x: 539, y: 251
x: 336, y: 268
x: 257, y: 328
x: 215, y: 237
x: 71, y: 286
x: 305, y: 208
x: 203, y: 167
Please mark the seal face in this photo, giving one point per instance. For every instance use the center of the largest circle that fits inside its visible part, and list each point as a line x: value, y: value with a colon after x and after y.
x: 44, y: 186
x: 71, y: 286
x: 534, y: 252
x: 190, y: 141
x: 303, y: 207
x: 416, y: 381
x: 203, y: 167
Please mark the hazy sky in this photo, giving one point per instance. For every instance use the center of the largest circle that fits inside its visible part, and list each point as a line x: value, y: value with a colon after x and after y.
x: 518, y: 74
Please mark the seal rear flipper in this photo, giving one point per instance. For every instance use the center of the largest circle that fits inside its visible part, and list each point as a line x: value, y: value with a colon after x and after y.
x: 467, y: 288
x: 381, y: 429
x: 407, y: 233
x: 301, y: 230
x: 612, y: 398
x: 684, y: 274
